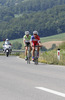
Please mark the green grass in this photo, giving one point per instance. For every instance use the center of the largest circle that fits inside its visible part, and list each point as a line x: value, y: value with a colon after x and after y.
x: 59, y: 37
x: 20, y: 40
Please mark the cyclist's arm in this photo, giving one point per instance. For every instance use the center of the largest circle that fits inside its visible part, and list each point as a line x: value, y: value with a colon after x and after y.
x: 31, y: 41
x: 24, y: 40
x: 39, y: 41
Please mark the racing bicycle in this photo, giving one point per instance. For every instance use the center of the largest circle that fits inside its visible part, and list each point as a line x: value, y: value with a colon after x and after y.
x: 28, y: 55
x: 36, y: 55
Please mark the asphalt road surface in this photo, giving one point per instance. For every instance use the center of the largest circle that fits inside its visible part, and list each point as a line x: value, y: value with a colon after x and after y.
x: 21, y: 81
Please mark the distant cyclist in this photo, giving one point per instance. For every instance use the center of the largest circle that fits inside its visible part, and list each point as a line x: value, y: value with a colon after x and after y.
x: 26, y: 40
x: 35, y: 41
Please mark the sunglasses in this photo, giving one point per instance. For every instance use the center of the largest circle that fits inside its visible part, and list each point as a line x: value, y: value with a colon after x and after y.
x: 35, y: 34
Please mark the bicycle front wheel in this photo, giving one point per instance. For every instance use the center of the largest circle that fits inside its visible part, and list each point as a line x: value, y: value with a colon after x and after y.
x: 36, y: 58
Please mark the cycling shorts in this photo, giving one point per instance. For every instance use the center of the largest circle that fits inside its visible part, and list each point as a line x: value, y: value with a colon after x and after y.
x: 27, y: 44
x: 35, y: 44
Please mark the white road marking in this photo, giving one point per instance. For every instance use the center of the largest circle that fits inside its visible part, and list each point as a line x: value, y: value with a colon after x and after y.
x: 51, y: 91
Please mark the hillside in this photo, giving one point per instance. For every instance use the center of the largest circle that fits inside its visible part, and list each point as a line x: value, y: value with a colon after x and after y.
x: 45, y: 16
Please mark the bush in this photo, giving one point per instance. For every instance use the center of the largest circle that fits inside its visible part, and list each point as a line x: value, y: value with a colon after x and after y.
x: 43, y: 48
x: 17, y: 45
x: 53, y: 47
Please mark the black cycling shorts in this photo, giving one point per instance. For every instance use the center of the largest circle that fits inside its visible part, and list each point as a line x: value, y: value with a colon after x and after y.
x: 27, y: 44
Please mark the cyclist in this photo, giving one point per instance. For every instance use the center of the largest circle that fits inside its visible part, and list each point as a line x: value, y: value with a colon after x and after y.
x: 35, y: 41
x: 26, y: 40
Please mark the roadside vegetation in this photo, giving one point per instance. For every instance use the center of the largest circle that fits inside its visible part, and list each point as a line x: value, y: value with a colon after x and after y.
x: 50, y: 56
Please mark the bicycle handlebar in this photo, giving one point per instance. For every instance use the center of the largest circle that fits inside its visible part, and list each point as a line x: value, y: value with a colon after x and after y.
x: 26, y: 46
x: 36, y: 46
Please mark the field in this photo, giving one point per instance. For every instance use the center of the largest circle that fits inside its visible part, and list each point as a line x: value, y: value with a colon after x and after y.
x: 49, y: 44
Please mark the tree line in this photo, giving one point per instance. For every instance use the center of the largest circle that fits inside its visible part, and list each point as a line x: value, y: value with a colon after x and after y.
x: 20, y: 6
x: 45, y: 16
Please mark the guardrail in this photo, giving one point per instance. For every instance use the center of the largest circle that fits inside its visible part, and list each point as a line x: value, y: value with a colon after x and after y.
x: 18, y: 50
x: 13, y: 51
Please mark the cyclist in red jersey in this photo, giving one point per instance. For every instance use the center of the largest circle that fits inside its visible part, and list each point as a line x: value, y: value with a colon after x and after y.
x: 35, y: 41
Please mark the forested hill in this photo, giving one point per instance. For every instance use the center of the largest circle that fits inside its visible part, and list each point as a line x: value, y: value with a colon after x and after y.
x: 46, y: 16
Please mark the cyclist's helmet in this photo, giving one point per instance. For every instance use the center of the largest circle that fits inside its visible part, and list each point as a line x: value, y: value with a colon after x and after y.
x: 35, y: 32
x: 26, y: 32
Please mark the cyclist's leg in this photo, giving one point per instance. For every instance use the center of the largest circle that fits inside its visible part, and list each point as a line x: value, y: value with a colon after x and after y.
x: 37, y: 49
x: 26, y: 52
x: 28, y: 44
x: 33, y: 49
x: 38, y: 52
x: 30, y: 48
x: 30, y: 51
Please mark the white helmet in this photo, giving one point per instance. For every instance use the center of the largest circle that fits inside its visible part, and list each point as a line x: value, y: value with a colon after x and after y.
x: 6, y: 39
x: 26, y: 32
x: 35, y: 32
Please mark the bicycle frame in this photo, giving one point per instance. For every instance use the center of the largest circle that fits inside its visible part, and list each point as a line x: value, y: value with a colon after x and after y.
x: 36, y: 54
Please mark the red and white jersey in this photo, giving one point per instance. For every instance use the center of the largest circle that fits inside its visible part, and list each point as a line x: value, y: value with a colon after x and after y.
x: 36, y: 40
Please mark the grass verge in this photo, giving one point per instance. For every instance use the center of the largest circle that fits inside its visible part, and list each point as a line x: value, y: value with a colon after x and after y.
x: 50, y: 57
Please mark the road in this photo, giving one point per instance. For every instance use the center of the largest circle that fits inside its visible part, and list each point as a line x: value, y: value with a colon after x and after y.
x: 21, y: 81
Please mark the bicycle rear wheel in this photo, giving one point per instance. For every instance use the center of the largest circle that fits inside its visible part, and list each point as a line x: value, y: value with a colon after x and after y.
x: 28, y: 61
x: 36, y: 61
